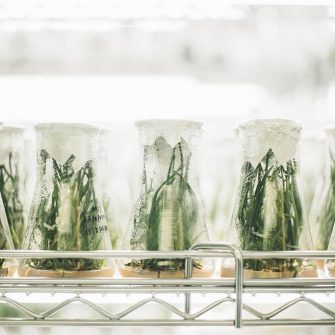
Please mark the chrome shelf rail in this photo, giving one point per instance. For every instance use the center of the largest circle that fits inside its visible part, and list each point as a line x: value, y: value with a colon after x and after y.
x: 188, y: 301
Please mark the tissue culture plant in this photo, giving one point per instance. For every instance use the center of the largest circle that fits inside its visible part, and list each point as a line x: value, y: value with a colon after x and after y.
x: 327, y: 213
x: 69, y: 218
x: 10, y: 189
x: 269, y: 214
x: 166, y: 217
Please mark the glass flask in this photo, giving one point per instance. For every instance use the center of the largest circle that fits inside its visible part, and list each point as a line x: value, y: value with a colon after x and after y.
x: 325, y: 223
x: 268, y: 215
x: 12, y: 180
x: 67, y: 213
x: 7, y: 267
x: 168, y: 215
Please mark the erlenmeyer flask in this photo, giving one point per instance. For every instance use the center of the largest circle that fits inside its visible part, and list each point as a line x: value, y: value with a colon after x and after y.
x: 7, y: 266
x: 326, y: 219
x: 268, y: 215
x: 11, y: 180
x: 168, y: 214
x: 67, y: 212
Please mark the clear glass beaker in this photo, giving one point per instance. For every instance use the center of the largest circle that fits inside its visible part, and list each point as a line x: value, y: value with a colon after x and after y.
x: 268, y: 214
x: 67, y: 213
x: 326, y: 219
x: 168, y: 214
x: 12, y: 179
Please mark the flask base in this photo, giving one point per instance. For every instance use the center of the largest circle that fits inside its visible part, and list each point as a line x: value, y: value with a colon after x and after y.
x: 27, y: 271
x: 138, y: 272
x: 251, y: 274
x: 330, y: 268
x: 4, y: 272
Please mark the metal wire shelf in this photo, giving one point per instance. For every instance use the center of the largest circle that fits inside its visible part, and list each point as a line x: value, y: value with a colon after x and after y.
x: 178, y: 297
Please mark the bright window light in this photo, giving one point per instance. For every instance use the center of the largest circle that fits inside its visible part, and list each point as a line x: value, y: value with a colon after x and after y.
x: 122, y: 98
x: 117, y: 9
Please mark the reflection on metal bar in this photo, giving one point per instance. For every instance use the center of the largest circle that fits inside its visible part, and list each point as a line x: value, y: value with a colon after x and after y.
x: 291, y: 282
x: 188, y: 275
x: 106, y: 254
x: 67, y: 322
x: 323, y: 283
x: 290, y: 322
x: 157, y: 290
x: 279, y: 290
x: 287, y: 254
x: 111, y: 323
x: 119, y: 290
x: 216, y: 250
x: 238, y: 270
x: 115, y: 281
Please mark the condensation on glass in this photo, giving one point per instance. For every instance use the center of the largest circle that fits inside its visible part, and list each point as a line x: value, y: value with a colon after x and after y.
x: 268, y: 215
x: 325, y: 238
x: 168, y: 214
x: 67, y: 213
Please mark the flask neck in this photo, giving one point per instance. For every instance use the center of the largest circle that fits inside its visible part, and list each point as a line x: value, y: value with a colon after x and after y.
x: 164, y: 164
x: 62, y: 141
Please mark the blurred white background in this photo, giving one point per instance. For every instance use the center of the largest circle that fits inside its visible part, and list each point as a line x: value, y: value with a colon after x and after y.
x: 109, y: 60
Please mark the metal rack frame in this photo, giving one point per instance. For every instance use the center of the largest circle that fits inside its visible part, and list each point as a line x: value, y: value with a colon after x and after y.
x: 227, y: 290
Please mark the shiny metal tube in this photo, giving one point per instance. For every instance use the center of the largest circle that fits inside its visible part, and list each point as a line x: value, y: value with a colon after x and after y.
x: 225, y: 247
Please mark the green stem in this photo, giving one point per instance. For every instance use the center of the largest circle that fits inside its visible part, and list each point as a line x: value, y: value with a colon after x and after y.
x: 258, y: 229
x: 68, y: 216
x: 173, y: 203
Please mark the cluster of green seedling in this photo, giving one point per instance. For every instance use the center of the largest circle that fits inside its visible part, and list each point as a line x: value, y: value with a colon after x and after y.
x: 327, y: 213
x: 166, y: 216
x: 10, y: 193
x: 269, y: 215
x: 71, y: 201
